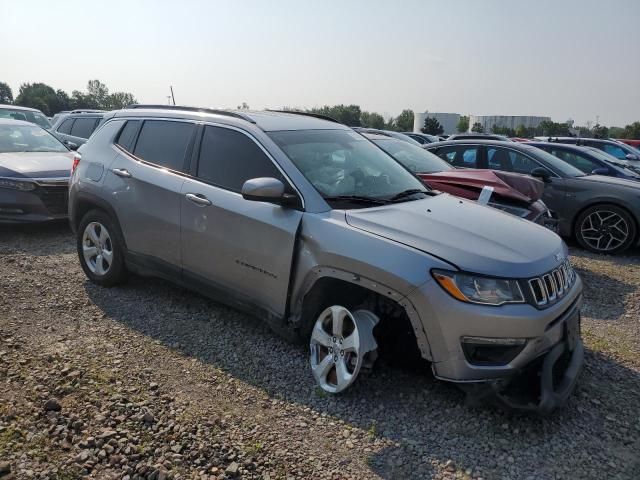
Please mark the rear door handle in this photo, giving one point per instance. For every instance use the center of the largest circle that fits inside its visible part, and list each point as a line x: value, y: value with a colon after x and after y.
x: 122, y: 172
x: 198, y: 199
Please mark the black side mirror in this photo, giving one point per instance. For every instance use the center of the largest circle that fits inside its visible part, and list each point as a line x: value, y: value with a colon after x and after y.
x: 541, y: 173
x: 600, y: 171
x: 631, y: 156
x: 267, y: 189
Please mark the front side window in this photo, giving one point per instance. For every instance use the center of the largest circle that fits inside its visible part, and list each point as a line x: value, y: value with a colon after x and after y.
x: 229, y: 158
x: 460, y: 156
x: 614, y: 150
x: 83, y: 127
x: 510, y: 161
x: 342, y: 163
x: 164, y: 143
x: 28, y: 138
x: 414, y: 158
x: 581, y: 162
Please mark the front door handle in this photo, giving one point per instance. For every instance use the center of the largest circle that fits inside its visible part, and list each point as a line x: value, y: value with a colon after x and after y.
x: 198, y: 199
x: 122, y: 172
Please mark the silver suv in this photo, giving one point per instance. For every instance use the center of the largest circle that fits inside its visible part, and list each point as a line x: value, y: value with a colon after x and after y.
x: 313, y: 228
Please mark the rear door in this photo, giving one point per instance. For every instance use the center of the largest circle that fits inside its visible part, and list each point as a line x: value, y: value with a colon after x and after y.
x: 82, y: 129
x: 146, y: 180
x: 241, y: 247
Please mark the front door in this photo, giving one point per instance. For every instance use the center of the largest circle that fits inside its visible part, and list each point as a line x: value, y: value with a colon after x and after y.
x: 241, y: 247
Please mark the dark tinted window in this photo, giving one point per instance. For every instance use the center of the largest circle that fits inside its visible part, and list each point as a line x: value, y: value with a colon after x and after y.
x: 229, y: 158
x: 164, y: 143
x: 462, y: 156
x: 579, y: 161
x: 83, y: 127
x: 510, y: 161
x: 127, y: 134
x: 66, y: 126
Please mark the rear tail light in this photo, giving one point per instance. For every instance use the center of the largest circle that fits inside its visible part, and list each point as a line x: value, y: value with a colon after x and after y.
x: 76, y: 161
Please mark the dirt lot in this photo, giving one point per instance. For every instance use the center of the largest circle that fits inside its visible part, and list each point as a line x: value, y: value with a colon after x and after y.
x: 151, y: 381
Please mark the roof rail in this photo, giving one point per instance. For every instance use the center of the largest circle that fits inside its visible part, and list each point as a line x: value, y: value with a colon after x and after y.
x: 87, y: 110
x: 308, y: 114
x: 228, y: 113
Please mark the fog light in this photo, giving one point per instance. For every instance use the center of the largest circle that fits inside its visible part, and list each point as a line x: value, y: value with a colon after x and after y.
x: 491, y: 351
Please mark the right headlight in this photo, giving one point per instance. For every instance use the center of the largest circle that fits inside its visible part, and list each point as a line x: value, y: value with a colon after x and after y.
x: 471, y: 288
x: 16, y: 184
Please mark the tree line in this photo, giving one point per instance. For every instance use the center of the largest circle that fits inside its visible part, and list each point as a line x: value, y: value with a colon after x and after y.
x: 50, y: 101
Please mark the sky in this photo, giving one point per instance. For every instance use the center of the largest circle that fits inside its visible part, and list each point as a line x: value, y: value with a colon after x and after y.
x: 577, y: 59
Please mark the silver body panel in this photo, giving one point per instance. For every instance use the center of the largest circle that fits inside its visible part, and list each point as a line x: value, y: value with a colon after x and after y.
x: 271, y: 256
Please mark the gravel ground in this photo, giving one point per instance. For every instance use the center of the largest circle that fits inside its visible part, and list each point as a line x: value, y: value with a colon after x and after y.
x: 150, y: 381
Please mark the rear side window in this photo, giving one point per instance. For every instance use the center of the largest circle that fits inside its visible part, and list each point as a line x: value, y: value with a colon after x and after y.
x: 581, y: 162
x: 128, y: 134
x: 65, y: 127
x: 229, y: 158
x: 461, y: 156
x: 164, y: 143
x: 83, y: 127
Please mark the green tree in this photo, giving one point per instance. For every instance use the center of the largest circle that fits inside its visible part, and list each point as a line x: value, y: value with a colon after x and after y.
x: 632, y: 131
x: 347, y: 114
x: 404, y: 121
x: 477, y: 128
x: 372, y: 120
x: 522, y: 132
x: 118, y: 100
x: 6, y: 95
x: 38, y: 95
x: 463, y: 124
x: 99, y: 92
x: 390, y: 124
x: 432, y: 126
x: 600, y: 131
x: 616, y: 132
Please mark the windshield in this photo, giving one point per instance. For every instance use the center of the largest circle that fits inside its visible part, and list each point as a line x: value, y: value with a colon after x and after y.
x: 25, y: 115
x: 414, y: 158
x: 343, y: 163
x: 554, y: 162
x: 28, y: 138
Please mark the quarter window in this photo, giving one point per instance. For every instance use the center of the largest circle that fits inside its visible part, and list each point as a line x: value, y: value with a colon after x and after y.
x: 164, y: 143
x: 127, y: 134
x: 83, y: 127
x: 66, y: 126
x: 229, y: 158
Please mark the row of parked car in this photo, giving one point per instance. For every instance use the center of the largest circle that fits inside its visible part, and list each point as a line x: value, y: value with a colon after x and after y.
x: 335, y: 237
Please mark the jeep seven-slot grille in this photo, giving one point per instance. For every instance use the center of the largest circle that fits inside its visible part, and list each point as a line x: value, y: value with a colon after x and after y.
x: 552, y: 286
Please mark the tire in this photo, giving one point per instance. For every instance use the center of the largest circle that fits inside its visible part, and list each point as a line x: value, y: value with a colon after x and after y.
x: 100, y: 249
x: 605, y: 228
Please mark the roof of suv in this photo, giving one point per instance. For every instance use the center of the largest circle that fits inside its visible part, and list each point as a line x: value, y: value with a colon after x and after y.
x: 266, y: 120
x: 18, y: 107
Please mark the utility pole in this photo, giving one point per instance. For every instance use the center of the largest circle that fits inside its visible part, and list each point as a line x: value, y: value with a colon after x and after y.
x: 172, y: 97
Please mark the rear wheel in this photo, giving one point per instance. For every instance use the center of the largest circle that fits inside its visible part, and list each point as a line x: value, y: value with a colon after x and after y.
x: 99, y: 249
x: 605, y: 229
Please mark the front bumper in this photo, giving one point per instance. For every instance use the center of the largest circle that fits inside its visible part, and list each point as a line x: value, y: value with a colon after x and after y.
x: 48, y: 201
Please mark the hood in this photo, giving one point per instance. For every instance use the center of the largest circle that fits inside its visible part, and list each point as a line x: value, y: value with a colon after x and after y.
x: 36, y: 164
x: 473, y: 237
x: 623, y: 182
x: 468, y: 183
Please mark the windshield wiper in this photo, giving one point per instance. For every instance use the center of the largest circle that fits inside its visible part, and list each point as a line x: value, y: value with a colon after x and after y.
x: 358, y: 199
x: 409, y: 192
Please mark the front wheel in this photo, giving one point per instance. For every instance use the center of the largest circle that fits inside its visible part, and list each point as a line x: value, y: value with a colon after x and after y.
x: 100, y: 252
x: 605, y: 229
x: 341, y: 341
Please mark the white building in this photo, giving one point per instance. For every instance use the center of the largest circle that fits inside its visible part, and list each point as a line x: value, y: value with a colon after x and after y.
x: 505, y: 121
x: 449, y: 121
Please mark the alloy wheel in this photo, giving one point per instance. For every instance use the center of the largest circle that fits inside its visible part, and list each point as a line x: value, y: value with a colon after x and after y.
x: 97, y: 248
x: 604, y: 230
x: 340, y: 340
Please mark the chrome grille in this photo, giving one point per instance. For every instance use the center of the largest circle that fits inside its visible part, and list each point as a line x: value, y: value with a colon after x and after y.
x: 554, y: 285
